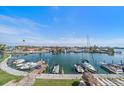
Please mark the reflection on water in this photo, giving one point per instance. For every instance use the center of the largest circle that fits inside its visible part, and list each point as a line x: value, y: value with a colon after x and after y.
x: 68, y: 60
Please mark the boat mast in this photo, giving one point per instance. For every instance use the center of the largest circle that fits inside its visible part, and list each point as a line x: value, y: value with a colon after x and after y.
x: 88, y: 46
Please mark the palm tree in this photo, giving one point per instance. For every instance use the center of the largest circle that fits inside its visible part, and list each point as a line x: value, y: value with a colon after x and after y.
x: 2, y: 49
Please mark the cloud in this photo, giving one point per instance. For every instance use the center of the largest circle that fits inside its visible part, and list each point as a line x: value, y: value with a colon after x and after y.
x: 20, y: 21
x: 64, y: 41
x: 14, y: 29
x: 112, y: 42
x: 9, y: 30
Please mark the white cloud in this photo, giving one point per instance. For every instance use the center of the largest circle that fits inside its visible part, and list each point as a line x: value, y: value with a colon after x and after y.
x: 20, y: 21
x: 4, y: 29
x: 13, y: 30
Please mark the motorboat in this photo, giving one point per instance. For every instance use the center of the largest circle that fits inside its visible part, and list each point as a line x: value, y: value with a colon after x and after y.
x: 27, y: 65
x: 86, y: 65
x: 18, y: 61
x: 56, y: 69
x: 112, y: 68
x: 78, y: 68
x: 19, y: 65
x: 32, y: 64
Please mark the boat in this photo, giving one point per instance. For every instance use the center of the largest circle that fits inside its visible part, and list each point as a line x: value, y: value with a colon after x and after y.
x: 62, y: 71
x: 18, y: 61
x: 78, y: 68
x: 56, y: 69
x: 86, y: 65
x: 27, y: 65
x: 118, y: 52
x: 122, y: 65
x: 19, y: 65
x: 112, y: 68
x: 31, y: 64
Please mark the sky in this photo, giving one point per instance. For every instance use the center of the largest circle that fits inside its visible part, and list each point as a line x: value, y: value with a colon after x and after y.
x: 62, y: 26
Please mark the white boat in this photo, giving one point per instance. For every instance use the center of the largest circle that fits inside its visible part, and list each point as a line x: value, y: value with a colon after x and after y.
x: 27, y: 65
x: 31, y: 64
x: 78, y: 68
x: 56, y: 69
x: 19, y: 65
x: 18, y: 61
x: 85, y: 64
x: 112, y: 68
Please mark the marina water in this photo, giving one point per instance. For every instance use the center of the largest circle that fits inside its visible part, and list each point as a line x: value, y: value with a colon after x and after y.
x: 67, y: 60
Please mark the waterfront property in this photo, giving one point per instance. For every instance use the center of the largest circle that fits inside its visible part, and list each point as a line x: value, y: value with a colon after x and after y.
x: 68, y: 79
x: 67, y: 60
x: 58, y: 50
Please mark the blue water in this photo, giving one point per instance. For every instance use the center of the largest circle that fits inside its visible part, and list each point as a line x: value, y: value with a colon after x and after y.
x: 68, y: 60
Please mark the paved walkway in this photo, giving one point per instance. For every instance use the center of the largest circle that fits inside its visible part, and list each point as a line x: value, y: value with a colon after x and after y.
x: 11, y: 83
x: 60, y: 76
x: 6, y: 68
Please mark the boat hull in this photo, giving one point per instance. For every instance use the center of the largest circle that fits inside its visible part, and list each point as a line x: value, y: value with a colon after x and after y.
x: 109, y: 70
x: 56, y: 69
x: 78, y: 68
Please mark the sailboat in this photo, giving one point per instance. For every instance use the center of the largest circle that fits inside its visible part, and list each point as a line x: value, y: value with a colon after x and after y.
x: 86, y: 64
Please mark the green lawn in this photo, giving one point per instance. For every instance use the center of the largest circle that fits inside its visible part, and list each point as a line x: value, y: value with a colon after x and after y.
x: 5, y: 77
x: 45, y: 82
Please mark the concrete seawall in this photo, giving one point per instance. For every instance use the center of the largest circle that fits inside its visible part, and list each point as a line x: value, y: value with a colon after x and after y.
x: 6, y: 68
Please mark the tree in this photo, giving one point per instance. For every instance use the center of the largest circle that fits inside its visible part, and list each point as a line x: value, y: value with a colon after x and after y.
x: 110, y: 51
x: 2, y: 48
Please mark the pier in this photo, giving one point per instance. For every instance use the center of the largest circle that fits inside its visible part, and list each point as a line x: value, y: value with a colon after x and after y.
x: 6, y: 68
x: 29, y: 78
